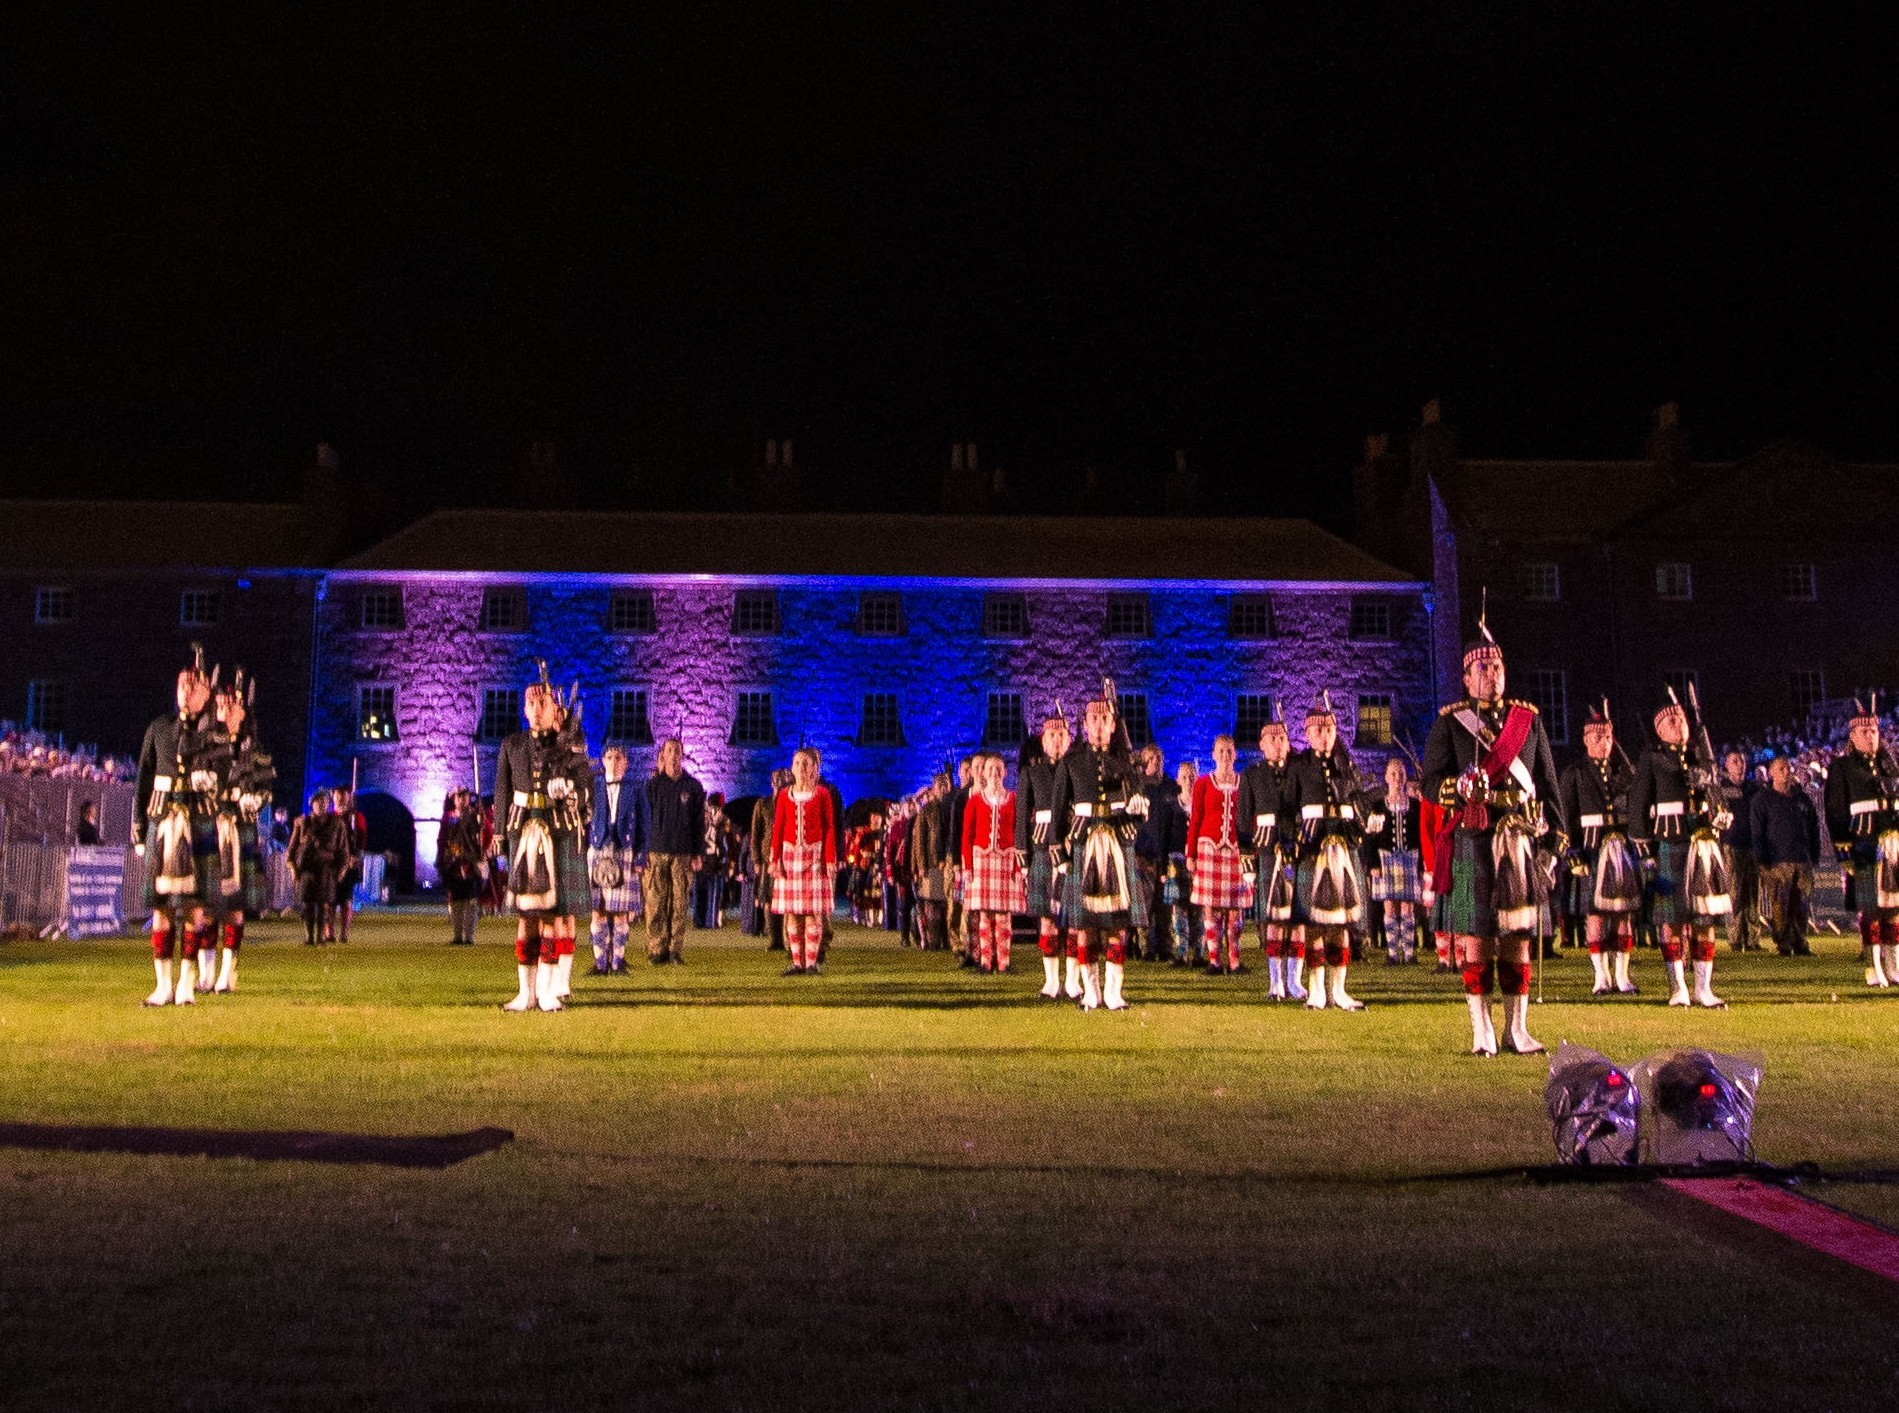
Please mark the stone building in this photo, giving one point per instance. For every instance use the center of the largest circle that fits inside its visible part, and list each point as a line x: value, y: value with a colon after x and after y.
x: 892, y: 643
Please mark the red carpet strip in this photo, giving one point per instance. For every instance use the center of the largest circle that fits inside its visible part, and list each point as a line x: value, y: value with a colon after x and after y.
x: 1865, y: 1244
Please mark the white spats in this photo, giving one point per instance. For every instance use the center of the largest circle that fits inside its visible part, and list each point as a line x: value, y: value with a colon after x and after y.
x: 544, y: 985
x: 524, y: 1000
x: 227, y: 972
x: 1295, y: 968
x: 1892, y: 964
x: 1071, y: 985
x: 1051, y: 978
x: 564, y: 976
x: 1275, y: 978
x: 1604, y: 983
x: 1516, y: 1014
x: 1677, y: 984
x: 1315, y: 996
x: 1113, y: 974
x: 1340, y: 998
x: 161, y: 993
x: 1090, y: 991
x: 1483, y: 1035
x: 1624, y: 983
x: 1879, y: 974
x: 1704, y: 987
x: 187, y: 978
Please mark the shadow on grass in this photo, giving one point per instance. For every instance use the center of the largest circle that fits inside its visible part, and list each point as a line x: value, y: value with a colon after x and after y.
x: 388, y: 1150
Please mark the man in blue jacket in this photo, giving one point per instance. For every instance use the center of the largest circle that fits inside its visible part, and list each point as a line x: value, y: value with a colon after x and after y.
x: 616, y: 848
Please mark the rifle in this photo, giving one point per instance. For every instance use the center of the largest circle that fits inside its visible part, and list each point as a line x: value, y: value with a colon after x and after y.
x: 1705, y: 764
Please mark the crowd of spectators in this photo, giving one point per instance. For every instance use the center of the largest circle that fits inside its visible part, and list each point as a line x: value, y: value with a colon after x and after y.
x: 25, y: 752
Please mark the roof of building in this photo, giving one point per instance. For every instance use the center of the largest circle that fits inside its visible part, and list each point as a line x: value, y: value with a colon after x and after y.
x: 925, y: 546
x: 1554, y: 499
x: 73, y: 535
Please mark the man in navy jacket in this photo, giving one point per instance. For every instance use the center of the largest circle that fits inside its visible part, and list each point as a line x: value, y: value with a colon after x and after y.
x: 616, y: 849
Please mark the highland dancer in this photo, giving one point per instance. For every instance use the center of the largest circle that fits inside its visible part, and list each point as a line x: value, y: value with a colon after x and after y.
x: 1213, y: 843
x: 542, y: 785
x: 176, y: 832
x: 1676, y: 820
x: 803, y: 863
x: 992, y: 883
x: 1263, y: 787
x: 616, y: 849
x: 1396, y: 879
x: 1097, y: 809
x: 1604, y: 870
x: 246, y: 779
x: 1862, y: 816
x: 1329, y: 896
x: 1487, y: 764
x: 1034, y: 816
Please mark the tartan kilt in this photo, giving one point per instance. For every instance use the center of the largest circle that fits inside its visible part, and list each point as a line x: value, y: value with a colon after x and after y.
x: 572, y: 889
x: 1220, y: 878
x: 252, y: 887
x: 1306, y: 883
x: 1867, y: 867
x: 1039, y: 899
x: 1668, y: 901
x: 1273, y: 886
x: 933, y: 885
x: 1467, y: 910
x: 993, y: 883
x: 1617, y: 900
x: 1399, y: 878
x: 624, y: 899
x: 1076, y: 914
x: 804, y: 887
x: 202, y: 833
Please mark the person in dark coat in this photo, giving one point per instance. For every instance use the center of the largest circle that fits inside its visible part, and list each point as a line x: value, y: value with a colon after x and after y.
x: 676, y: 815
x: 1784, y: 829
x: 1737, y: 792
x: 461, y: 864
x: 1676, y: 821
x: 319, y: 849
x: 1862, y: 818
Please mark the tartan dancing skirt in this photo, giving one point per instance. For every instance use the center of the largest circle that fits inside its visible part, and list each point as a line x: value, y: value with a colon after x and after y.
x: 626, y: 898
x: 1040, y: 898
x: 1096, y: 892
x: 1329, y: 884
x: 803, y: 887
x: 1219, y: 878
x: 1273, y: 892
x: 181, y: 860
x: 1399, y: 878
x: 993, y: 883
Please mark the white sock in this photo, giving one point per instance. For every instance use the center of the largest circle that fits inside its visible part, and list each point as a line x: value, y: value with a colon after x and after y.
x: 1483, y: 1035
x: 1339, y: 997
x: 1051, y: 977
x: 1275, y: 976
x: 1315, y: 993
x: 161, y: 993
x: 187, y: 976
x: 524, y: 998
x: 1071, y: 983
x: 1601, y: 965
x: 1114, y: 973
x: 227, y: 971
x: 1677, y: 985
x: 546, y: 984
x: 1090, y: 989
x: 1621, y: 967
x: 1295, y: 968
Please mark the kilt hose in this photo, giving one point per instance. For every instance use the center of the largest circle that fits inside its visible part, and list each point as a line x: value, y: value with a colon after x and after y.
x: 803, y: 887
x: 1220, y: 878
x: 668, y: 898
x: 624, y: 899
x: 993, y: 883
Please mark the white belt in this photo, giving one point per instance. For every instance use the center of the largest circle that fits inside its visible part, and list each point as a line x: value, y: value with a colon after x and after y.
x: 1595, y: 821
x: 161, y: 782
x: 204, y: 781
x: 1265, y: 821
x: 1083, y: 811
x: 1670, y: 808
x: 1863, y: 807
x: 521, y: 798
x: 1042, y: 816
x: 1318, y: 812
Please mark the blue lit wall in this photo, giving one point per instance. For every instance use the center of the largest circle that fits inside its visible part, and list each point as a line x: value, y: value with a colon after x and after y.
x: 818, y: 669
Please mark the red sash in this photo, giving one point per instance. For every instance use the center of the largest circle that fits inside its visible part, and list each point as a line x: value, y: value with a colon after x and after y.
x: 1474, y: 815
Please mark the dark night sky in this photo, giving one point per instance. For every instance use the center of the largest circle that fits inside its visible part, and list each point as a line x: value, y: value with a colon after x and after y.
x: 433, y: 240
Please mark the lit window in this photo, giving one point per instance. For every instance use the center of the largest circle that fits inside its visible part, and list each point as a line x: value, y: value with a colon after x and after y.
x: 1005, y: 616
x: 198, y: 608
x: 1374, y: 719
x: 52, y: 605
x: 1798, y: 583
x: 1371, y: 618
x: 500, y: 713
x: 1807, y: 688
x: 631, y: 611
x: 1674, y: 581
x: 381, y: 608
x: 1249, y: 616
x: 1002, y: 720
x: 1549, y: 694
x: 755, y: 613
x: 627, y: 720
x: 46, y: 704
x: 881, y: 724
x: 1134, y: 717
x: 1129, y: 616
x: 880, y: 615
x: 503, y: 611
x: 376, y: 713
x: 1250, y: 713
x: 1542, y: 583
x: 752, y: 721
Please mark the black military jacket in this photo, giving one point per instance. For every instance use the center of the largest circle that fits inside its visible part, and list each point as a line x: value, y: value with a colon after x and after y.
x: 1597, y: 790
x: 1451, y: 750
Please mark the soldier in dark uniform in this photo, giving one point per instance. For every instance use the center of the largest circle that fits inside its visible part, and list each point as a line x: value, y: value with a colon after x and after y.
x: 1487, y: 765
x: 1605, y: 876
x: 1676, y: 821
x: 538, y: 784
x: 1262, y: 789
x: 1097, y: 810
x: 1323, y: 792
x: 1736, y: 791
x: 1034, y: 816
x: 247, y: 777
x: 175, y: 831
x: 1862, y: 816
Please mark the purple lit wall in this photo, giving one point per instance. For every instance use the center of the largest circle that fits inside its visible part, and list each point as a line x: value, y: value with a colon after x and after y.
x: 818, y: 669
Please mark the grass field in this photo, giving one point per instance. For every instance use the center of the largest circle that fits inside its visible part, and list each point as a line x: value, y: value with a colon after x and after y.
x: 898, y: 1186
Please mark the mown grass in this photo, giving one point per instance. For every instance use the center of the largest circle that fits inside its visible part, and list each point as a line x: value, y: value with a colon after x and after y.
x: 895, y: 1186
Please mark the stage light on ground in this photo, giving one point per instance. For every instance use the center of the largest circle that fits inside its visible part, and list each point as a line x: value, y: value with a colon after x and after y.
x: 1700, y: 1106
x: 1594, y: 1108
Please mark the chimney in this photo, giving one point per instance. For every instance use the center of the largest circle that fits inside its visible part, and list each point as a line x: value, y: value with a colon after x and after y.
x: 779, y: 481
x: 1378, y: 496
x: 1668, y: 443
x: 965, y: 492
x: 543, y: 482
x: 323, y: 513
x: 1180, y: 495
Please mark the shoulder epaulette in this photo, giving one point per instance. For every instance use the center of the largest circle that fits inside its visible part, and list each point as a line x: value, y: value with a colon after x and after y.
x: 1513, y: 701
x: 1450, y: 707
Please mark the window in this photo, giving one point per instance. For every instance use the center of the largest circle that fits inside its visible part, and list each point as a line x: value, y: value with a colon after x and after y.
x: 198, y: 608
x: 880, y: 615
x: 1371, y: 618
x: 46, y: 704
x: 1807, y: 688
x: 1798, y: 583
x: 1685, y: 680
x: 755, y: 613
x: 1129, y: 616
x: 631, y: 611
x: 380, y: 608
x: 1005, y: 616
x: 752, y: 722
x: 1002, y: 721
x: 500, y: 713
x: 1249, y: 616
x: 376, y: 713
x: 1134, y: 716
x: 1542, y: 583
x: 52, y: 605
x: 881, y: 724
x: 1250, y: 713
x: 1549, y: 694
x: 1674, y: 581
x: 627, y: 720
x: 503, y: 611
x: 1374, y: 719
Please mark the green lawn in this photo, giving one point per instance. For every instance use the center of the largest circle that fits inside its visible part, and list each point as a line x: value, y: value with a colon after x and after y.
x: 897, y: 1186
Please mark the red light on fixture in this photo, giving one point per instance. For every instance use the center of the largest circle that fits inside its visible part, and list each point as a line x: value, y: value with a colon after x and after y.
x: 1707, y: 1091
